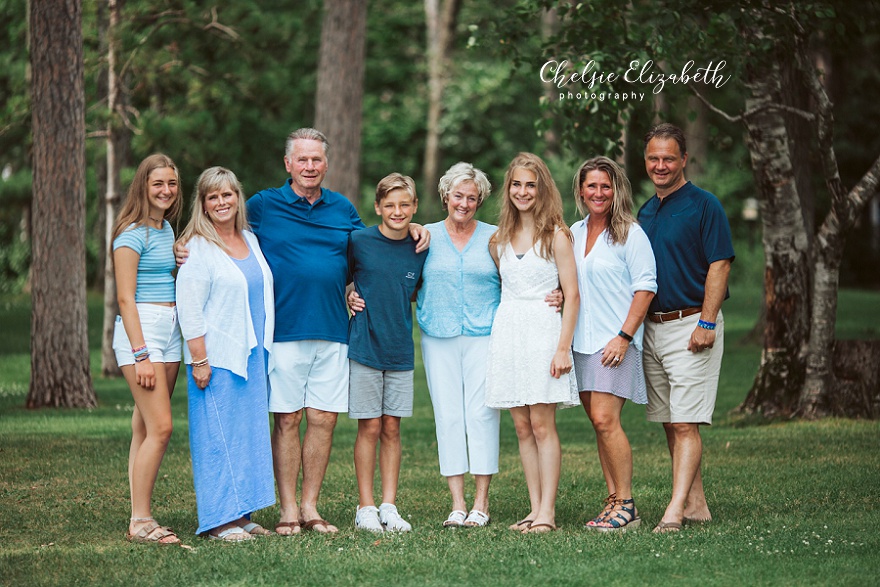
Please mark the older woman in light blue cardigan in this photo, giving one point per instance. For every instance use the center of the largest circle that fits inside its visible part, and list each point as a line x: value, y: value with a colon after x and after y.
x: 226, y: 308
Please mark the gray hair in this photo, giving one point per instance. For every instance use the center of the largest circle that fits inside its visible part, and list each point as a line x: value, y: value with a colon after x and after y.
x: 306, y: 134
x: 462, y: 172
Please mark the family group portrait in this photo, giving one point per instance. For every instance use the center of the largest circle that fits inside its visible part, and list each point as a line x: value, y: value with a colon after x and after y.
x: 451, y: 292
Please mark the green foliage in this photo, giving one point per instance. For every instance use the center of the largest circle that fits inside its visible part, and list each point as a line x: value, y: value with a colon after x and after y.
x: 783, y: 495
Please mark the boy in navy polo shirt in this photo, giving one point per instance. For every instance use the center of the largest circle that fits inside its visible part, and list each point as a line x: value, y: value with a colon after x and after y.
x: 386, y: 272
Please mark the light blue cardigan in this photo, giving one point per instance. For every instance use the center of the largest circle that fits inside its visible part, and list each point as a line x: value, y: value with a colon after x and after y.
x: 212, y: 300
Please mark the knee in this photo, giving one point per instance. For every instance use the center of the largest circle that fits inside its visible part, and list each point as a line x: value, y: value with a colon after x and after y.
x: 541, y: 430
x: 161, y: 431
x: 523, y: 429
x: 390, y: 429
x: 603, y: 422
x: 370, y: 429
x: 288, y: 423
x: 321, y: 420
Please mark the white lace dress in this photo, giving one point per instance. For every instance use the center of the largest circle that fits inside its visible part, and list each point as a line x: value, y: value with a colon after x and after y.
x: 524, y: 337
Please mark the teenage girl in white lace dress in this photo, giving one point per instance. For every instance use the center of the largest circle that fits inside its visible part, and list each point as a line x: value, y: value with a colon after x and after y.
x: 530, y: 357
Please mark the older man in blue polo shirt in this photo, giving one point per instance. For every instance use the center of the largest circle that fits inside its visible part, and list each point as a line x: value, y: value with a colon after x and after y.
x: 303, y: 231
x: 684, y: 333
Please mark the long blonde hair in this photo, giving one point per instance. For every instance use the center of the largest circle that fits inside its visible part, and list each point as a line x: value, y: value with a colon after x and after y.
x: 211, y: 180
x: 136, y: 208
x: 621, y: 203
x: 547, y: 212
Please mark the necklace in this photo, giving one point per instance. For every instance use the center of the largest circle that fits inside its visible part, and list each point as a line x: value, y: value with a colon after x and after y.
x: 159, y: 221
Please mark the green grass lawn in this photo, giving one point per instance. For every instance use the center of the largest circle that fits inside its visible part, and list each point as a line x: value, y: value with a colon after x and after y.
x: 795, y: 503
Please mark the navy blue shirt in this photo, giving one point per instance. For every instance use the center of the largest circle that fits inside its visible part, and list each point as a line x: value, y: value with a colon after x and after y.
x: 386, y: 274
x: 688, y: 230
x: 306, y: 246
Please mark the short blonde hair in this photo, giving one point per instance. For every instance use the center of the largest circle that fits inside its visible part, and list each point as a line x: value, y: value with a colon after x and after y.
x: 395, y: 181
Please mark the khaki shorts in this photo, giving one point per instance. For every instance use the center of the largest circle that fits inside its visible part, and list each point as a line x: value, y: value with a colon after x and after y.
x: 682, y: 386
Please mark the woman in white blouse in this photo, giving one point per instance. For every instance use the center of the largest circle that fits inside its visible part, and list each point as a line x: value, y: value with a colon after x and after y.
x: 226, y: 307
x: 617, y: 278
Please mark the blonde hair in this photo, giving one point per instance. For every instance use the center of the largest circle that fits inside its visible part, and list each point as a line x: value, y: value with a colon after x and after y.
x: 621, y: 203
x: 547, y: 211
x: 395, y: 181
x: 460, y: 173
x: 136, y: 207
x: 200, y: 224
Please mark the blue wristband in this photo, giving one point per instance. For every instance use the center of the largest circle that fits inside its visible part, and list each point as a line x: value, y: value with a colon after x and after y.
x: 706, y: 325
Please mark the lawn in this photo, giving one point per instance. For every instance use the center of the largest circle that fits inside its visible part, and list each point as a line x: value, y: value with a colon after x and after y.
x: 795, y: 503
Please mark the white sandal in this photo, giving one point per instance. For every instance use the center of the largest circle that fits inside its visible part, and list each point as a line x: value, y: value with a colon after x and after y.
x: 476, y: 519
x: 456, y: 519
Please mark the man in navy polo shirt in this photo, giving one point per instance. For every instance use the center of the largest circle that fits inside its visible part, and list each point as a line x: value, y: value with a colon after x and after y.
x: 303, y: 231
x: 684, y: 333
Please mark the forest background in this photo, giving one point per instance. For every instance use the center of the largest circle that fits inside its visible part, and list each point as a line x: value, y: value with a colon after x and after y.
x: 780, y: 139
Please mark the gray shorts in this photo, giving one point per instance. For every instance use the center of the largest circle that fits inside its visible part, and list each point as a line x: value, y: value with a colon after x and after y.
x: 374, y: 393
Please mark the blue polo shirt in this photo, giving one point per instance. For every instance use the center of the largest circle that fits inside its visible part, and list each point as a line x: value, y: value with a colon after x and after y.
x: 688, y: 230
x: 385, y: 273
x: 306, y: 246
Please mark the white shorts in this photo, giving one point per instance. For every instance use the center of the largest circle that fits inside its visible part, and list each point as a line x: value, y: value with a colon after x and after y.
x: 309, y: 374
x: 161, y: 335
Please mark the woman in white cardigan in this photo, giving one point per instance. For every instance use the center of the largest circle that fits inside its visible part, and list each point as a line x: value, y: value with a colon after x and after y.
x: 226, y: 308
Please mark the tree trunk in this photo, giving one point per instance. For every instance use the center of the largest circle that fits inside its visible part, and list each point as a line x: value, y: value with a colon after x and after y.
x: 440, y: 19
x: 855, y: 380
x: 340, y: 92
x: 59, y: 338
x: 109, y: 367
x: 696, y: 129
x: 786, y: 275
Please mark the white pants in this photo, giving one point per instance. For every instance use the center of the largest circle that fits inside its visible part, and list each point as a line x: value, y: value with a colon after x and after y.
x: 467, y: 431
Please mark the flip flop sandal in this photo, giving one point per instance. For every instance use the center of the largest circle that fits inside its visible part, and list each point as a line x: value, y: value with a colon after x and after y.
x: 477, y: 519
x: 234, y: 534
x: 255, y: 529
x: 310, y: 525
x: 456, y: 519
x: 533, y: 529
x: 522, y: 525
x: 294, y: 526
x: 667, y: 527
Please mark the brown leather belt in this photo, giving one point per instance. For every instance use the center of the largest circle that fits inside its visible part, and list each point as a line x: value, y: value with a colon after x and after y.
x: 660, y: 318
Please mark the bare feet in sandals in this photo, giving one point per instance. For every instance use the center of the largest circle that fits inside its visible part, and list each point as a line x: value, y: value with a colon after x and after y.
x: 146, y: 530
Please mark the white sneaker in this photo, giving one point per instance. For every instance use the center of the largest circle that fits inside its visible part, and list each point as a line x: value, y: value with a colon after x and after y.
x: 391, y: 519
x: 367, y: 518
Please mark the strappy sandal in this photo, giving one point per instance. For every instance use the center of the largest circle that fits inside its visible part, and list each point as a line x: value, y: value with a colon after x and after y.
x: 622, y: 518
x: 151, y: 533
x: 477, y: 519
x: 608, y: 507
x: 455, y: 520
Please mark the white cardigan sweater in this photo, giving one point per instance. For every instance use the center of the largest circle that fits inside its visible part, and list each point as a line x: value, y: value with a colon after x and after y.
x: 212, y: 301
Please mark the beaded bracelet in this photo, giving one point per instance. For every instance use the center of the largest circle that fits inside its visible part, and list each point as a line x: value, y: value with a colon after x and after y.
x: 138, y: 349
x: 706, y: 325
x: 625, y: 336
x: 201, y: 363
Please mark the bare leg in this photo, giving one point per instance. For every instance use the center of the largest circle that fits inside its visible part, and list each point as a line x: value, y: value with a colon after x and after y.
x: 481, y: 499
x: 686, y: 448
x: 543, y: 420
x: 365, y: 458
x: 389, y: 458
x: 456, y: 488
x: 316, y: 447
x: 528, y: 454
x: 605, y: 415
x: 286, y: 455
x: 153, y: 408
x: 586, y: 399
